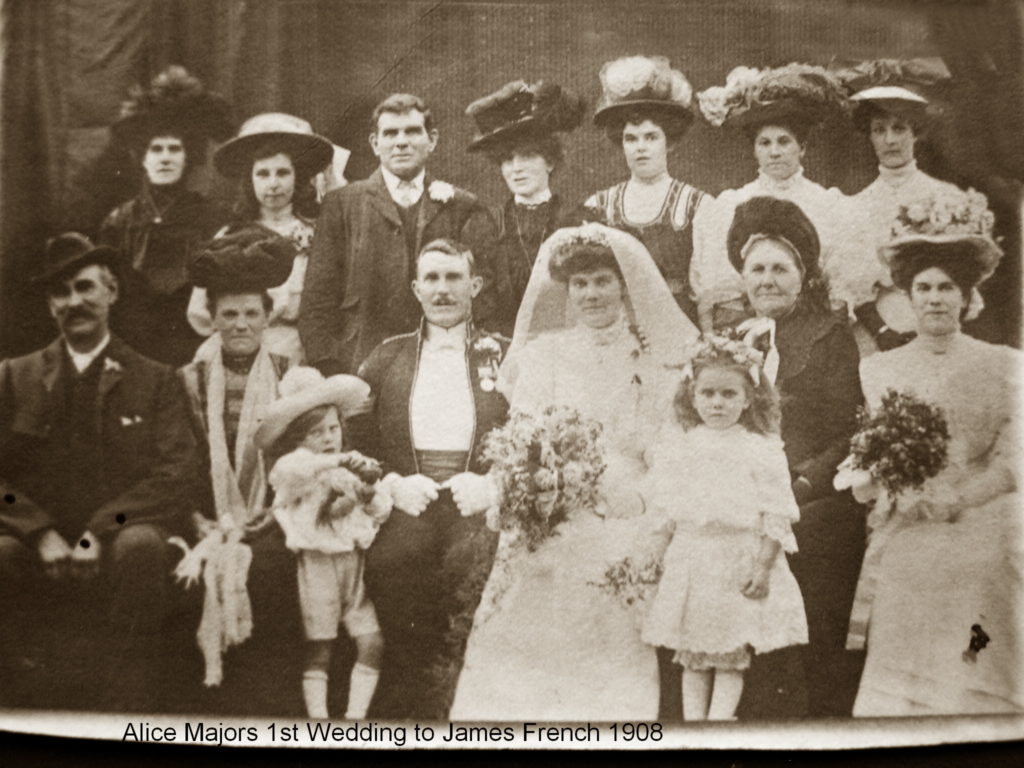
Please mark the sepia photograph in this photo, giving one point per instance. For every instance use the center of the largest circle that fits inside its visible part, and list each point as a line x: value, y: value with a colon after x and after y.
x: 516, y: 374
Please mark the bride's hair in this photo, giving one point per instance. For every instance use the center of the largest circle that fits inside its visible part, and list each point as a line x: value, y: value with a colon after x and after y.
x: 763, y: 416
x: 583, y: 256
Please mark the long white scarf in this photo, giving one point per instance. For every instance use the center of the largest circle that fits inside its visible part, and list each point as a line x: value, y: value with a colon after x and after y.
x: 221, y: 559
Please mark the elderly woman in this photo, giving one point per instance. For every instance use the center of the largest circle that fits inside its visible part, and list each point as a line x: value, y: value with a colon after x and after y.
x: 595, y: 333
x: 892, y: 112
x: 812, y: 358
x: 939, y: 602
x: 230, y: 391
x: 273, y: 160
x: 777, y: 110
x: 645, y: 110
x: 518, y: 131
x: 165, y: 129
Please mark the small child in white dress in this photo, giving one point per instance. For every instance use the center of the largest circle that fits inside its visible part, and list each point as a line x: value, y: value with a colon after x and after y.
x: 330, y: 505
x: 721, y: 493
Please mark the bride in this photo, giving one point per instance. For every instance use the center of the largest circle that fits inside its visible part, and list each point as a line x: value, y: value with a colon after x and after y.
x: 596, y: 331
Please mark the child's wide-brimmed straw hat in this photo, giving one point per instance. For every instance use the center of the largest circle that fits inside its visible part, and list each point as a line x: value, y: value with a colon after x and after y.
x: 309, y: 152
x: 303, y: 389
x: 519, y: 110
x: 643, y: 81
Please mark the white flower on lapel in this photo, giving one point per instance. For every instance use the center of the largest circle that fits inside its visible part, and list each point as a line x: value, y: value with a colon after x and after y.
x: 110, y: 364
x: 441, y: 191
x: 127, y: 421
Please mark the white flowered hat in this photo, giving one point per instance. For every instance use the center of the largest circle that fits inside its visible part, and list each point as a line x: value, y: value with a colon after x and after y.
x: 643, y: 81
x: 896, y: 86
x: 952, y: 216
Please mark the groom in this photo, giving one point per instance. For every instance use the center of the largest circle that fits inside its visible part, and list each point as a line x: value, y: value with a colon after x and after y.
x: 434, y: 399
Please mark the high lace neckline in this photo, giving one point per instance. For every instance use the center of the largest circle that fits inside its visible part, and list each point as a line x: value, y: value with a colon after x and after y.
x: 896, y: 177
x: 780, y: 185
x: 607, y: 336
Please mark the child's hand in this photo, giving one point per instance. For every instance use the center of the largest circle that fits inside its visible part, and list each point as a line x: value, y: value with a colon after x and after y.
x: 756, y: 587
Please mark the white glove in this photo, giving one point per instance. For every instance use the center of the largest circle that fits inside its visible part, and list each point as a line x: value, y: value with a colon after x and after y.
x: 472, y: 493
x: 413, y: 494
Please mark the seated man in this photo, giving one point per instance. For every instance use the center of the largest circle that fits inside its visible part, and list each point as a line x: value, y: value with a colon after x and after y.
x: 96, y: 463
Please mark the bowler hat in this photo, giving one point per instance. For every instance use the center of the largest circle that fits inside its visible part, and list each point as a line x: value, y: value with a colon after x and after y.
x: 72, y: 251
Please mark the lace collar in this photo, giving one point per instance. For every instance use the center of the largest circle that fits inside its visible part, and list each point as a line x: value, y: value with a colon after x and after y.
x: 897, y: 177
x: 784, y: 185
x: 608, y: 336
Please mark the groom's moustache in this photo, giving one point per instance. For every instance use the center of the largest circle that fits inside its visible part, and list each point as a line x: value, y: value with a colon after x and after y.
x: 443, y: 303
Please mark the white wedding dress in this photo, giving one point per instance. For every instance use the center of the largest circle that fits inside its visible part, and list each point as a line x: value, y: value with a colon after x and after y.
x: 546, y: 644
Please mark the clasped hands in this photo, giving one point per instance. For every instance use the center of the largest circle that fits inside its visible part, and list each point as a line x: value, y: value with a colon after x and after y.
x: 60, y: 559
x: 472, y: 493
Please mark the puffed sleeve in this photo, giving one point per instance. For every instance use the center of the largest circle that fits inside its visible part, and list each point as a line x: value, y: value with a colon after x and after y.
x: 775, y: 501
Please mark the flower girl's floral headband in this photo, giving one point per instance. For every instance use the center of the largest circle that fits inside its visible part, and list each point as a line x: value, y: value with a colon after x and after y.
x: 712, y: 349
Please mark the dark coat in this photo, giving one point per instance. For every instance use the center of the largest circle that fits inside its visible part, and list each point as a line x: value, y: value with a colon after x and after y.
x: 147, y: 455
x: 358, y: 282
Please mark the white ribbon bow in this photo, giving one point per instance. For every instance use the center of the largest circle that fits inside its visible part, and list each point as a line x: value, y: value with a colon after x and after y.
x: 755, y: 328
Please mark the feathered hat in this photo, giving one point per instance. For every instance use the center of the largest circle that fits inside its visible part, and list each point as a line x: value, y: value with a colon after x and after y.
x: 175, y: 104
x: 896, y: 86
x: 643, y: 81
x: 310, y: 153
x: 800, y: 94
x: 519, y: 109
x: 248, y: 261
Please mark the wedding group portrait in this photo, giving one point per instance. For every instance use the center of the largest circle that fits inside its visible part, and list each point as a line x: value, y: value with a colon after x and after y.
x: 511, y: 362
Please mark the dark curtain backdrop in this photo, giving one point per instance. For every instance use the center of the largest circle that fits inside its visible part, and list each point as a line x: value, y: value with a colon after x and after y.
x: 68, y: 63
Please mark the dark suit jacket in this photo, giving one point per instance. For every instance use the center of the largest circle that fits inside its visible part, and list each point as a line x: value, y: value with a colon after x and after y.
x: 390, y: 370
x: 358, y: 283
x: 147, y: 453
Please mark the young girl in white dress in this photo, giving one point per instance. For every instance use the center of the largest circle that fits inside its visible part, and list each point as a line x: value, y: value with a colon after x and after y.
x: 721, y: 489
x: 330, y: 505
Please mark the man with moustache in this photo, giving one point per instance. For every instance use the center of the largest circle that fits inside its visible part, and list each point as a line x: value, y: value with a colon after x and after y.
x: 96, y: 465
x: 434, y: 400
x: 367, y: 237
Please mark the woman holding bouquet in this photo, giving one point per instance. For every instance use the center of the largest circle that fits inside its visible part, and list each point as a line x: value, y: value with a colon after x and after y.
x: 595, y: 331
x: 939, y: 600
x: 811, y: 357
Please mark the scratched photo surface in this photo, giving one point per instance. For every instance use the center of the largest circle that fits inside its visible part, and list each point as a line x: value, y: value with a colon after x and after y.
x: 428, y: 374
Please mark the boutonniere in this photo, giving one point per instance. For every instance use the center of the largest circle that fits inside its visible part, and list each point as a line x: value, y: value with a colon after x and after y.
x: 127, y: 421
x: 109, y: 364
x: 441, y: 191
x: 489, y: 350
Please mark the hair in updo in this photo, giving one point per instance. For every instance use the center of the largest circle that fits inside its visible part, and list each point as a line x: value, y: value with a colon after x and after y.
x: 546, y: 145
x: 914, y: 258
x: 583, y: 257
x: 672, y: 121
x: 916, y: 118
x: 799, y: 128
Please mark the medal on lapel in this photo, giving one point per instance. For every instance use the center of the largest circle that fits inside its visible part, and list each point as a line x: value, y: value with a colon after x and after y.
x: 487, y: 367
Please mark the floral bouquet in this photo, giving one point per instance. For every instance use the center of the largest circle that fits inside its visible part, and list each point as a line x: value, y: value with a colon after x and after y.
x: 898, y: 446
x: 746, y: 88
x: 629, y: 582
x: 548, y: 465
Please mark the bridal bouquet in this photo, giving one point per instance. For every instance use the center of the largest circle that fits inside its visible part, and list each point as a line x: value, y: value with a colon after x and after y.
x: 548, y: 465
x: 899, y: 445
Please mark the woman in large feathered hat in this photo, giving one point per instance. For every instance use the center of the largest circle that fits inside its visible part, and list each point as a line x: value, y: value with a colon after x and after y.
x: 892, y: 107
x: 517, y: 128
x: 165, y: 128
x: 645, y: 110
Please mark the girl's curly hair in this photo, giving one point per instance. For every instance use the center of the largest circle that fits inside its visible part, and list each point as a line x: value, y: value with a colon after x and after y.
x: 763, y: 416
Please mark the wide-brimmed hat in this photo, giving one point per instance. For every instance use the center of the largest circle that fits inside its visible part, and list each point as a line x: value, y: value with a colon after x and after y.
x: 310, y: 152
x: 643, y: 81
x: 303, y: 388
x: 72, y: 251
x: 177, y: 104
x: 797, y: 95
x: 776, y: 219
x: 902, y: 87
x: 520, y: 110
x: 951, y: 216
x: 250, y: 260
